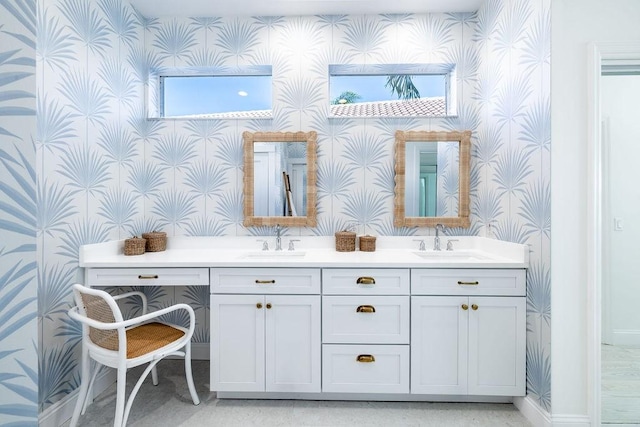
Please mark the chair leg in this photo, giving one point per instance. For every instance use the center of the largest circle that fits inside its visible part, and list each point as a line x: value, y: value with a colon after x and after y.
x: 154, y: 375
x: 120, y: 396
x: 84, y: 387
x: 189, y: 375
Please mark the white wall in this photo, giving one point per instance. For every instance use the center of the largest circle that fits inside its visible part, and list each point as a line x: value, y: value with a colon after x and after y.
x: 574, y: 23
x: 620, y: 99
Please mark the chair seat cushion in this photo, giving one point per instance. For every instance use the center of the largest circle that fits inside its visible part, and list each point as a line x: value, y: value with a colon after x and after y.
x: 146, y: 338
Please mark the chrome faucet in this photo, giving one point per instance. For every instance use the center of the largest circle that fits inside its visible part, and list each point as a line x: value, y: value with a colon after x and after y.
x: 278, y: 238
x: 436, y: 240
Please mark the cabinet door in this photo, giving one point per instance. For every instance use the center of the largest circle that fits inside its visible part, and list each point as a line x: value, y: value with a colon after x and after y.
x: 497, y: 346
x: 292, y: 343
x: 439, y: 331
x: 237, y: 342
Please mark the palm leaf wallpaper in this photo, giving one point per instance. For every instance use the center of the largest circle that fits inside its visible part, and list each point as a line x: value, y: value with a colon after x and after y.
x: 93, y: 169
x: 19, y: 292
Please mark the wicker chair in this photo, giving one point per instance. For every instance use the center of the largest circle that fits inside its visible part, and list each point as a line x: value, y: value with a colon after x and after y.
x: 111, y: 341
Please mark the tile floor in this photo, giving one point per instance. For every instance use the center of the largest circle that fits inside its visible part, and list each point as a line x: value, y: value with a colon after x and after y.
x: 169, y: 404
x: 620, y: 385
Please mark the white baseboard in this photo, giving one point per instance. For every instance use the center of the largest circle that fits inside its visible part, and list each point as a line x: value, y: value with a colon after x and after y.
x: 626, y: 337
x: 570, y: 420
x: 62, y: 411
x: 532, y: 411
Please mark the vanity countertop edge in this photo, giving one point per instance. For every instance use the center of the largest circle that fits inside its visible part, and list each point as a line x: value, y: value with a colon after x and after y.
x: 319, y: 251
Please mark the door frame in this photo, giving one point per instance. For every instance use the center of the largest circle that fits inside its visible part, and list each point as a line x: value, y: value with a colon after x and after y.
x: 598, y: 53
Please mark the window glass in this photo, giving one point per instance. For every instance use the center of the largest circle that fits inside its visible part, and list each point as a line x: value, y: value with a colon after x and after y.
x: 392, y: 90
x: 231, y: 94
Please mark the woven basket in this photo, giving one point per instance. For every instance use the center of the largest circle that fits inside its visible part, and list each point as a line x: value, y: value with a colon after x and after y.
x: 345, y: 241
x: 134, y: 246
x: 367, y: 243
x: 156, y: 241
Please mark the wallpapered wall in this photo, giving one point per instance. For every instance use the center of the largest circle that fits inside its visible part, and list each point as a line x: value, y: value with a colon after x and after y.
x: 105, y: 172
x: 18, y: 272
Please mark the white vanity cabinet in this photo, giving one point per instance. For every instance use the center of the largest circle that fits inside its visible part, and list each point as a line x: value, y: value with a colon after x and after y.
x: 464, y: 342
x: 262, y: 341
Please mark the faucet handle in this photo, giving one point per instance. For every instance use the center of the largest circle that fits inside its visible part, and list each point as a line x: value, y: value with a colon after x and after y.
x: 265, y: 244
x: 422, y: 246
x: 450, y: 244
x: 291, y: 246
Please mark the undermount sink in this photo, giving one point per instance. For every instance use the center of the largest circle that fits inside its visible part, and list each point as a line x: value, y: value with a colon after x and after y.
x: 275, y: 254
x: 459, y: 256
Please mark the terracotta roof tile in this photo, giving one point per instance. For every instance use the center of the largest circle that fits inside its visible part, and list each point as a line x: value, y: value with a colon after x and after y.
x: 434, y: 107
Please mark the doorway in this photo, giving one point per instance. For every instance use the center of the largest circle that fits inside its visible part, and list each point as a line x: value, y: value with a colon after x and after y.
x: 620, y: 351
x: 601, y: 56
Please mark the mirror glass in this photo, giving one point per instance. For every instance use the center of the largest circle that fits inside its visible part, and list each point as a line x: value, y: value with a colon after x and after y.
x: 432, y: 178
x: 280, y: 178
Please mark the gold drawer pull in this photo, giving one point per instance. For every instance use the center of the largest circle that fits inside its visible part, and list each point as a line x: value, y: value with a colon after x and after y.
x: 366, y: 309
x: 147, y: 276
x: 365, y: 358
x: 465, y: 307
x: 476, y: 283
x: 366, y: 281
x: 474, y: 306
x: 264, y: 282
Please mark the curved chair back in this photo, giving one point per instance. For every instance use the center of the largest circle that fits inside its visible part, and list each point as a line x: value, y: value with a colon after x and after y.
x: 99, y: 306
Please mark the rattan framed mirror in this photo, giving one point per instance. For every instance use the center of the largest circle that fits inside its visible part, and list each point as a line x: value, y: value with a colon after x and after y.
x: 280, y: 178
x: 428, y: 164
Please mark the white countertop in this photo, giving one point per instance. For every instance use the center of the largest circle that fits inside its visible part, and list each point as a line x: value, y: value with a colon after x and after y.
x: 391, y: 252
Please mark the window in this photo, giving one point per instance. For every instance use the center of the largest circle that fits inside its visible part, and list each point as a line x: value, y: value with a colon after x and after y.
x: 243, y: 93
x: 392, y: 90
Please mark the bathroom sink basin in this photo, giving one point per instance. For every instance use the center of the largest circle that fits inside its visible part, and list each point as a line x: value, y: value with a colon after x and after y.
x: 275, y: 254
x: 450, y: 256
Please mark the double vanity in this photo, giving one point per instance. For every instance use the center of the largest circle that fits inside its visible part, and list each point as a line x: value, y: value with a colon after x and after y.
x: 398, y: 323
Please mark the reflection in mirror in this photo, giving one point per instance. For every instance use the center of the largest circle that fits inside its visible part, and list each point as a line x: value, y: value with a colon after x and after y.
x: 280, y: 178
x: 432, y: 179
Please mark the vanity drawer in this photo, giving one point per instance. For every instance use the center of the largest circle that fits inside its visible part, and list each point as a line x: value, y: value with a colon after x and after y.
x: 370, y: 281
x: 365, y: 368
x: 365, y: 319
x: 511, y: 282
x: 147, y: 277
x: 265, y: 280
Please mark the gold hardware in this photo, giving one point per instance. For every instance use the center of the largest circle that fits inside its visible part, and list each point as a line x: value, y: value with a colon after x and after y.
x: 366, y: 309
x: 264, y: 282
x: 147, y: 276
x: 476, y: 283
x: 465, y: 307
x: 474, y: 306
x: 366, y: 281
x: 268, y: 305
x: 365, y: 358
x: 259, y: 305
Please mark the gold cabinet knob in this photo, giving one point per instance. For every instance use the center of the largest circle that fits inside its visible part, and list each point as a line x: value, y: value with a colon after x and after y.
x: 465, y: 307
x: 366, y: 309
x: 366, y: 281
x: 259, y: 305
x: 474, y: 306
x: 365, y: 358
x: 268, y: 305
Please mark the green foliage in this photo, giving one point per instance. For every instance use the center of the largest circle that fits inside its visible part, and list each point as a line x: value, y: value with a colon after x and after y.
x: 402, y: 85
x: 346, y: 97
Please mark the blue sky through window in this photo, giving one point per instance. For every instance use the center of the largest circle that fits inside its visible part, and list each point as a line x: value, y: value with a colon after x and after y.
x: 215, y: 94
x: 372, y: 87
